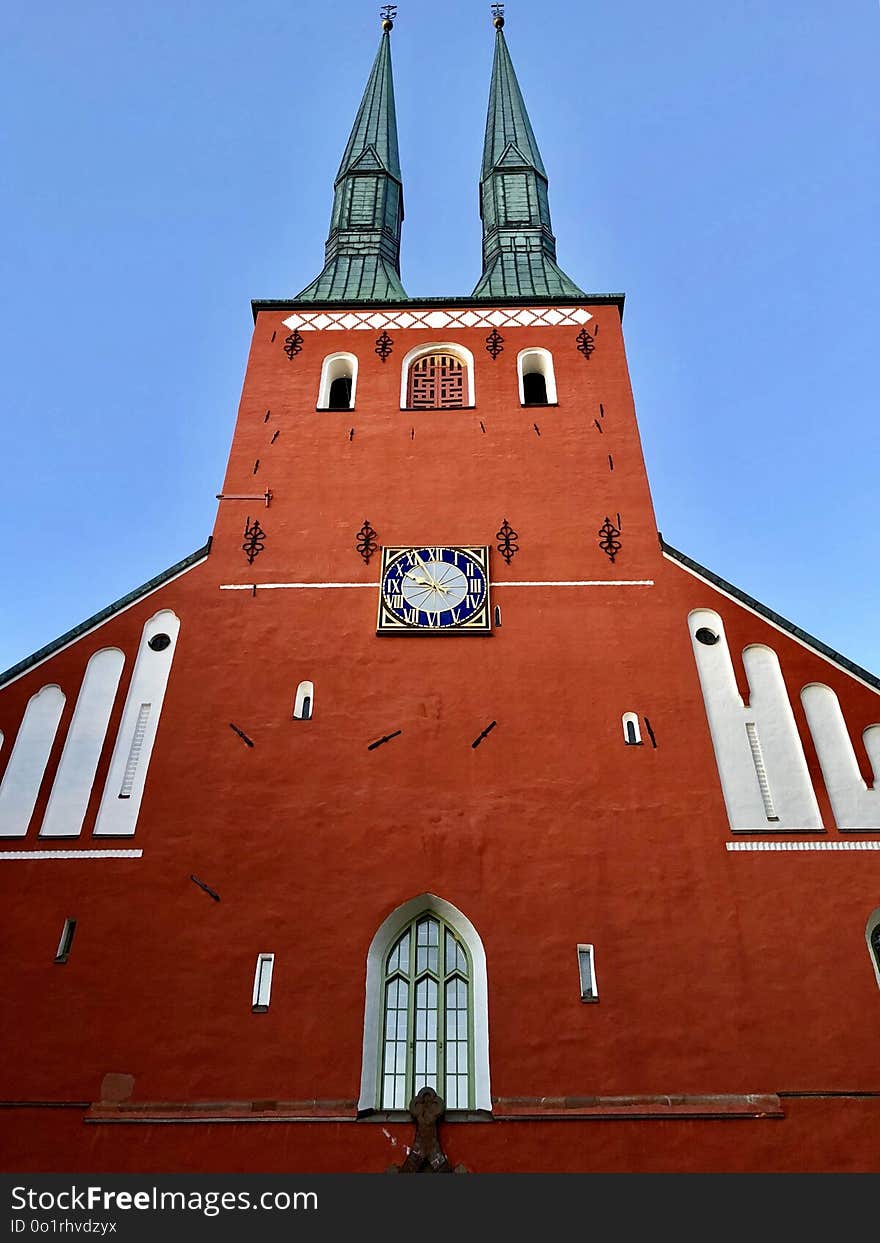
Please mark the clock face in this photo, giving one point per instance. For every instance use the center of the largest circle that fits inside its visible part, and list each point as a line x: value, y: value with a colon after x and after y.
x: 434, y: 589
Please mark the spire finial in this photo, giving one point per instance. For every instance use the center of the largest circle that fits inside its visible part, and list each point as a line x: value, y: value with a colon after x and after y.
x: 497, y: 16
x: 388, y: 12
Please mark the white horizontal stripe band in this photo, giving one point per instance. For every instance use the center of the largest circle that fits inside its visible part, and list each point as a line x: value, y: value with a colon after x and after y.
x: 866, y: 845
x: 70, y: 854
x: 587, y: 582
x: 278, y: 586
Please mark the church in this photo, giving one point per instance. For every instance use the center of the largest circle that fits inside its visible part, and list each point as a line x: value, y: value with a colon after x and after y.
x: 437, y: 810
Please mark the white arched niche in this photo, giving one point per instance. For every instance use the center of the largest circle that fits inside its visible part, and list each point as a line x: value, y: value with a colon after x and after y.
x: 27, y: 763
x: 124, y: 787
x: 335, y: 367
x: 72, y: 786
x: 536, y: 361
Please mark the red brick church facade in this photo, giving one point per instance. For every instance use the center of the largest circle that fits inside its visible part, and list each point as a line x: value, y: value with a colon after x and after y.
x: 592, y: 837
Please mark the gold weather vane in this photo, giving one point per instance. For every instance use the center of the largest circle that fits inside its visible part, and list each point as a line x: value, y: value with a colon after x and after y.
x: 497, y: 15
x: 388, y: 12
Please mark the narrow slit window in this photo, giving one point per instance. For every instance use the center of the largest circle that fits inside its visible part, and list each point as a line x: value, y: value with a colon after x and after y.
x: 497, y: 614
x: 134, y: 753
x: 761, y: 771
x: 304, y: 705
x: 263, y: 982
x: 587, y: 973
x: 66, y: 941
x: 632, y: 734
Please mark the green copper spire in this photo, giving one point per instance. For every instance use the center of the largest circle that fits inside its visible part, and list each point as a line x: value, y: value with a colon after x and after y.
x: 519, y: 249
x: 362, y: 255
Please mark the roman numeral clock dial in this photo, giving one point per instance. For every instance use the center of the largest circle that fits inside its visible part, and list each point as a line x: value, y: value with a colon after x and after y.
x: 434, y: 590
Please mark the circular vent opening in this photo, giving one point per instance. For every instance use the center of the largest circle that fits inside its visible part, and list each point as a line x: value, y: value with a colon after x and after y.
x: 705, y: 635
x: 159, y: 642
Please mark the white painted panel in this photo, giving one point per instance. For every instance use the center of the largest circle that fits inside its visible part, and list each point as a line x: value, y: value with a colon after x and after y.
x: 787, y: 789
x: 82, y: 748
x: 854, y: 804
x: 117, y: 816
x: 27, y: 763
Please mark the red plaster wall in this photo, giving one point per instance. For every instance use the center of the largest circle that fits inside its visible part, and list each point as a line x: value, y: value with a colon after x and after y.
x: 718, y: 972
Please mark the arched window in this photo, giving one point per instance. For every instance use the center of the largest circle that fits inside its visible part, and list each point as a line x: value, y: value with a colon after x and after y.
x: 632, y: 734
x: 304, y: 705
x: 439, y: 376
x: 872, y: 936
x: 426, y: 1040
x: 425, y: 1016
x: 537, y: 383
x: 338, y: 382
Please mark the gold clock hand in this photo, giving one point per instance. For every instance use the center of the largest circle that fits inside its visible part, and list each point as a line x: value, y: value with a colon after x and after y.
x: 430, y: 580
x: 430, y: 583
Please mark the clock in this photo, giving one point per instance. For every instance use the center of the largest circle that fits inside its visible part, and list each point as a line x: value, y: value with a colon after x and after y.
x: 435, y: 589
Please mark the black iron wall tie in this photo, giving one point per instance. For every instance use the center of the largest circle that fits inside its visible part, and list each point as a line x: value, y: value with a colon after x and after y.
x: 507, y: 545
x: 494, y: 343
x: 608, y: 539
x: 476, y: 742
x: 585, y: 343
x: 384, y: 346
x: 293, y: 344
x: 366, y: 542
x: 254, y: 540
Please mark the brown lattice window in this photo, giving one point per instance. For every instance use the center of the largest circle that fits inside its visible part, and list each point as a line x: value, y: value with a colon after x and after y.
x: 436, y: 382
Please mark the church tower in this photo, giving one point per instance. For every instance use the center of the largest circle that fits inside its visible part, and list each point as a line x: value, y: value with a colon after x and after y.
x: 437, y: 771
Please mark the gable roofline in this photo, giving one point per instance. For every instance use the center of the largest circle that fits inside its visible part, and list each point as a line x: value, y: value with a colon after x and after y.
x: 782, y: 623
x: 105, y: 614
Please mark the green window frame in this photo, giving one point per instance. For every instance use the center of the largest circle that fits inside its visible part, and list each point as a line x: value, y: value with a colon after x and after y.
x: 427, y: 1034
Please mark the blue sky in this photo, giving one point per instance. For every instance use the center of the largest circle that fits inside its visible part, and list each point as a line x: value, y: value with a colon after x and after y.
x: 719, y: 163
